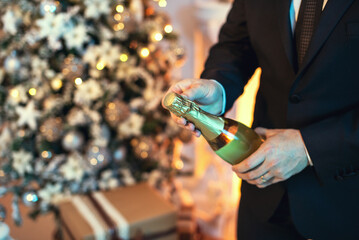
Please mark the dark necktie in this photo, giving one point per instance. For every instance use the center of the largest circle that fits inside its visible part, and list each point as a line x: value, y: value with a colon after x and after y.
x: 308, y: 19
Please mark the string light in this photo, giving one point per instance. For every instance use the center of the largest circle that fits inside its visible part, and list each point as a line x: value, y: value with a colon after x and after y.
x: 100, y: 65
x: 46, y: 154
x: 144, y: 155
x: 65, y: 71
x: 157, y: 36
x: 162, y: 3
x: 117, y: 17
x: 95, y: 149
x: 50, y: 8
x: 32, y: 91
x: 119, y: 26
x: 168, y: 28
x: 123, y: 57
x: 120, y: 8
x: 78, y: 81
x: 56, y: 84
x: 14, y: 93
x: 93, y: 161
x: 100, y: 157
x: 178, y: 165
x: 145, y: 52
x: 111, y: 105
x: 31, y: 197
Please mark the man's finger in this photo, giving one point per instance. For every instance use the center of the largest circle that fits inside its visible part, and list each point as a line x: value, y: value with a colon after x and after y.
x: 266, y: 183
x: 195, y: 92
x: 256, y: 173
x: 250, y: 163
x: 179, y: 120
x: 261, y: 132
x: 185, y: 124
x: 181, y: 86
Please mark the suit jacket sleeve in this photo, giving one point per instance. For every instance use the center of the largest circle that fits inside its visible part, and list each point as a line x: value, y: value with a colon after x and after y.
x: 232, y: 60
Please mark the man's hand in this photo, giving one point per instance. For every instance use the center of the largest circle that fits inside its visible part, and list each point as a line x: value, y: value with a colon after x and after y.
x: 281, y: 156
x: 207, y: 94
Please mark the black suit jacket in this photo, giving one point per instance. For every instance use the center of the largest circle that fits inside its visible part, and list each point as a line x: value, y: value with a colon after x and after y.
x: 321, y: 99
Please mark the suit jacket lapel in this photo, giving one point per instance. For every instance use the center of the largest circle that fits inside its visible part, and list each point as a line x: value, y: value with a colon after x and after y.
x: 331, y: 15
x: 285, y: 28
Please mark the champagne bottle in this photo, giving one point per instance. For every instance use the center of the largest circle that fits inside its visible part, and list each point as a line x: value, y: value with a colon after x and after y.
x: 229, y: 139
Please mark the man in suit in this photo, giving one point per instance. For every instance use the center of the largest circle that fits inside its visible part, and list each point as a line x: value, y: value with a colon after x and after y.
x: 303, y: 181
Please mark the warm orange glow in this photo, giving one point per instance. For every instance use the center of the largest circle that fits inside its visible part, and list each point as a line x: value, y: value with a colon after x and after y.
x: 150, y: 11
x: 245, y: 110
x: 117, y: 17
x: 111, y: 105
x: 177, y: 155
x: 246, y: 102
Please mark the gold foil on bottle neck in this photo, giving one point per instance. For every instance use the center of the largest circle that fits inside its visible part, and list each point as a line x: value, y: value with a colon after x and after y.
x: 178, y: 105
x: 209, y: 125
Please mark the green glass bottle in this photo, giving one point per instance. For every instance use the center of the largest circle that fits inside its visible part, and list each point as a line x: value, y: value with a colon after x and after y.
x: 229, y: 139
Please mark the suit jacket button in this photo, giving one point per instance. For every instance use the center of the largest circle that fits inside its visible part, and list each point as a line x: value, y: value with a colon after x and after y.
x: 295, y: 98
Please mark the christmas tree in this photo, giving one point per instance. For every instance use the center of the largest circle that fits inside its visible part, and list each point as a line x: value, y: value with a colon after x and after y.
x: 81, y: 84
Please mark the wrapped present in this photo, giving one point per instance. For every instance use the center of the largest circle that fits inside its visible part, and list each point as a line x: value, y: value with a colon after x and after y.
x: 135, y: 212
x: 186, y: 220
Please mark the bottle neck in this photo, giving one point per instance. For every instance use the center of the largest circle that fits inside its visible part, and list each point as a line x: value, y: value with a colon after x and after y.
x: 210, y: 125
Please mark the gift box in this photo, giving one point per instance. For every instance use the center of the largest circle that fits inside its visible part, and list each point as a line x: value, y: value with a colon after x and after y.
x: 135, y: 212
x: 186, y: 220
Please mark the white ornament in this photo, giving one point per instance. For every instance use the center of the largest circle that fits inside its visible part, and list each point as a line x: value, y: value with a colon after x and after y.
x: 76, y: 37
x: 22, y: 162
x: 127, y: 177
x: 10, y: 22
x: 73, y: 169
x: 50, y: 190
x: 106, y: 53
x: 95, y: 8
x: 132, y: 126
x: 52, y: 27
x: 12, y: 64
x: 88, y: 92
x: 28, y: 115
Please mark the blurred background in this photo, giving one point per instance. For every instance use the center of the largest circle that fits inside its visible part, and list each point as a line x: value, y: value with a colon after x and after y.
x: 201, y: 180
